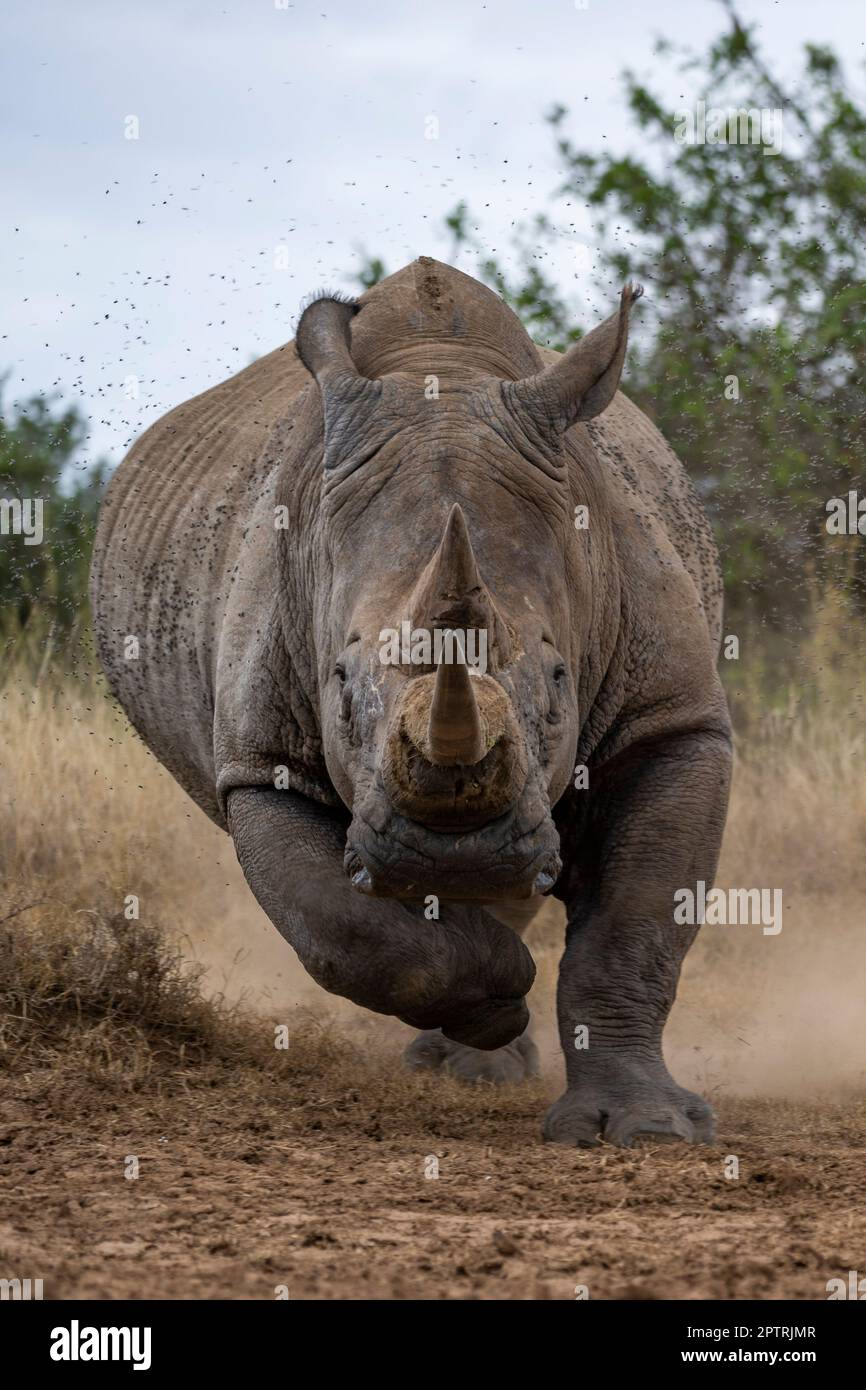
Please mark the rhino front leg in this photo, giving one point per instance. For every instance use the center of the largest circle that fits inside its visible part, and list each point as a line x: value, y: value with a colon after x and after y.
x: 466, y: 974
x: 654, y: 825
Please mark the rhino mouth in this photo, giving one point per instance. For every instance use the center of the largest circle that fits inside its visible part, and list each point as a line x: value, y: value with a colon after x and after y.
x: 389, y: 856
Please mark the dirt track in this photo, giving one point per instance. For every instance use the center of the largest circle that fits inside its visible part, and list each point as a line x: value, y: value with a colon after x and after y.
x: 329, y: 1198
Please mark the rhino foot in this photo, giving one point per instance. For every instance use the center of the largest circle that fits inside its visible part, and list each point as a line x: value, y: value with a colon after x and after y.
x: 627, y: 1110
x: 503, y: 1066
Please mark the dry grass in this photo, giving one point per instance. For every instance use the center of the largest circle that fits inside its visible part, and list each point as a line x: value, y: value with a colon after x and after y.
x: 109, y: 1002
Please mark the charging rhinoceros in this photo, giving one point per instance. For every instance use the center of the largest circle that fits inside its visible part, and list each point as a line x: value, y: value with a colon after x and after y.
x: 414, y: 464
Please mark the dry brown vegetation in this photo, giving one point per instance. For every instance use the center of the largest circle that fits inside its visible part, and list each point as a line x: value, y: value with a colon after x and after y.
x: 154, y: 1038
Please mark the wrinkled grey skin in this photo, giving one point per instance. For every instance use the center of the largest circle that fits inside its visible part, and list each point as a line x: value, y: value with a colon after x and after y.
x: 259, y: 685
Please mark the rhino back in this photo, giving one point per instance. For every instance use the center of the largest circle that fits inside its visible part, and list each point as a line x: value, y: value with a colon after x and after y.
x: 652, y: 482
x: 172, y: 534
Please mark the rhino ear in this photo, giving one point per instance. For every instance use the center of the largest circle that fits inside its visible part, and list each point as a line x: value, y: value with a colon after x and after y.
x: 324, y: 346
x: 584, y: 380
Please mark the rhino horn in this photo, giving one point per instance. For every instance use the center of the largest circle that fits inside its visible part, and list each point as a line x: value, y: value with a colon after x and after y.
x: 454, y: 731
x: 584, y: 380
x: 451, y: 587
x: 451, y: 592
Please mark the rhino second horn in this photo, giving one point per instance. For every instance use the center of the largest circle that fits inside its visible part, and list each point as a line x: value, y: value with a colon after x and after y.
x: 454, y: 732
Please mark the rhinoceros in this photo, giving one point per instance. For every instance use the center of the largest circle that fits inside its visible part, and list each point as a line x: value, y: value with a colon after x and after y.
x: 414, y: 461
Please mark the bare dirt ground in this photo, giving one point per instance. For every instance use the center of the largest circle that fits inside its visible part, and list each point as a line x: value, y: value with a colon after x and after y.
x: 327, y: 1196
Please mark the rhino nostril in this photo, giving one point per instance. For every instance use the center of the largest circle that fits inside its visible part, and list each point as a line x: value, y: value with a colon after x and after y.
x: 359, y: 875
x: 546, y: 879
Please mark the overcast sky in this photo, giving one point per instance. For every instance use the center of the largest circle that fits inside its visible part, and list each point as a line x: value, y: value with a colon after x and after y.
x: 302, y: 127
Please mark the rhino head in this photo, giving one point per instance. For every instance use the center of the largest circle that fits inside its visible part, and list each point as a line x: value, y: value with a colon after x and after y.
x: 453, y: 597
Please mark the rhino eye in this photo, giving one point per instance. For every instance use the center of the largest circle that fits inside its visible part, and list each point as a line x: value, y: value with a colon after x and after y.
x: 559, y: 673
x: 340, y: 672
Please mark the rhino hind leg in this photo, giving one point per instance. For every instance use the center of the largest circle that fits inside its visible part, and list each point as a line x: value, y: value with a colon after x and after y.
x: 504, y: 1066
